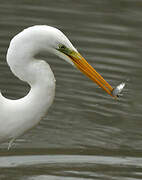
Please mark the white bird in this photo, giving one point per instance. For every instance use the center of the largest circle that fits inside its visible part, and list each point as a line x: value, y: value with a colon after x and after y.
x: 19, y: 116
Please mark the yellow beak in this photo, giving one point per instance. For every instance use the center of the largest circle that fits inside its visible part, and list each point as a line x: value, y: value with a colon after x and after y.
x: 89, y: 71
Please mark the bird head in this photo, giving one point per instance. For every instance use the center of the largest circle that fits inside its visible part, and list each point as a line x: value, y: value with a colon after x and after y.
x: 51, y: 39
x: 63, y: 48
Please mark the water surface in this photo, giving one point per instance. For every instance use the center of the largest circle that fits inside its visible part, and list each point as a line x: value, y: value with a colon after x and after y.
x: 87, y: 134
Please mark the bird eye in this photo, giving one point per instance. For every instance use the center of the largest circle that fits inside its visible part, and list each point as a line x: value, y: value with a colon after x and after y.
x: 62, y: 46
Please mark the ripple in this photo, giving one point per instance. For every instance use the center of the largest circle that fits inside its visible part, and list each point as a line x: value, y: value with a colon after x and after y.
x: 13, y: 161
x: 108, y: 35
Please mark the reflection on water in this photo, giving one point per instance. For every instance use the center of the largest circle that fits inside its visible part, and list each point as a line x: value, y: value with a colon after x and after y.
x: 87, y: 167
x: 83, y: 119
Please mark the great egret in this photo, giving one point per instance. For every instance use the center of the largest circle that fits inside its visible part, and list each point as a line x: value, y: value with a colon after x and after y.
x: 18, y: 116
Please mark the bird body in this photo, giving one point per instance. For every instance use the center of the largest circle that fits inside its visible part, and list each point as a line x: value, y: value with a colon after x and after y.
x: 18, y: 116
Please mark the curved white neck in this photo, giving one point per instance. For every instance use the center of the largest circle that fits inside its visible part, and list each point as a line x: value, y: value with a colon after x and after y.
x: 18, y: 116
x: 37, y: 73
x: 20, y: 57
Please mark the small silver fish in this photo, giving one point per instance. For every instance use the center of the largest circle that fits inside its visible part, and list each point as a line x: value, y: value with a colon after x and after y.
x: 117, y: 90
